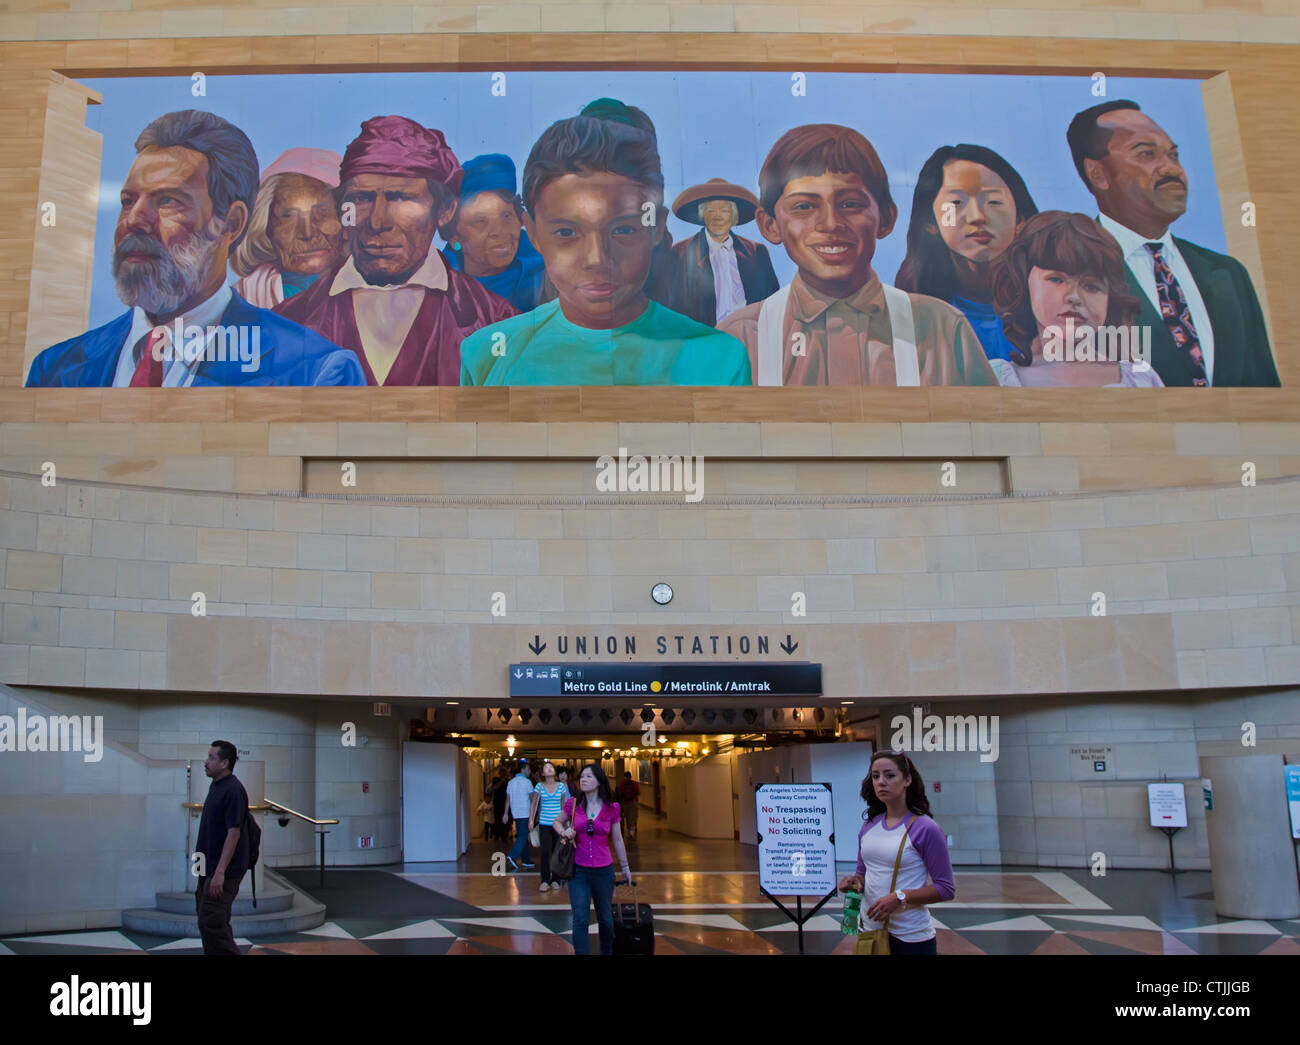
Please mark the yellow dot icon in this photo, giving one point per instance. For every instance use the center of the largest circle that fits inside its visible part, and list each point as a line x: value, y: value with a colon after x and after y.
x: 655, y: 687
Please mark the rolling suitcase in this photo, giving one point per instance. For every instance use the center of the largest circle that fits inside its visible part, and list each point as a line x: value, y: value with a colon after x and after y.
x: 634, y: 926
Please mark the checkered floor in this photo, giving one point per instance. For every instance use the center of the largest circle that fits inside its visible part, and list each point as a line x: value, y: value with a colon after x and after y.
x: 1008, y: 911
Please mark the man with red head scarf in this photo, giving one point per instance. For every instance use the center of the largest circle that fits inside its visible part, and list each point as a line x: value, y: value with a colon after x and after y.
x: 393, y: 300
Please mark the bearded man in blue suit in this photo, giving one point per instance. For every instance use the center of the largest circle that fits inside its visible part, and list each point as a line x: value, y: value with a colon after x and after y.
x: 185, y: 205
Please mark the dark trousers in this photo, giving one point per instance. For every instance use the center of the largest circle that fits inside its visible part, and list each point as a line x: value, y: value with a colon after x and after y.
x: 897, y: 946
x: 214, y: 917
x: 548, y: 843
x: 588, y: 884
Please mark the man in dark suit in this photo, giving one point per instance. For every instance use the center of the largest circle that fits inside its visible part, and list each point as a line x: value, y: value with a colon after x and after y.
x: 185, y: 205
x: 1207, y: 327
x: 720, y: 272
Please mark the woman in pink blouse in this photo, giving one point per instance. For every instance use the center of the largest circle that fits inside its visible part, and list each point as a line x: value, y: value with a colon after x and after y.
x: 591, y: 821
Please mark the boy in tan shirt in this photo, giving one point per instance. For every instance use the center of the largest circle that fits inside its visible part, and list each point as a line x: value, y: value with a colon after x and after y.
x: 825, y: 198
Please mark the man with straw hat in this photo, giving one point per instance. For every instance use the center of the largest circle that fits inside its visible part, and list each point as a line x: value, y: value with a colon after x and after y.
x: 720, y: 271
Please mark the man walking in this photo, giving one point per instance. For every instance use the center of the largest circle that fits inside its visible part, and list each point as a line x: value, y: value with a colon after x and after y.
x: 222, y: 848
x: 629, y: 804
x: 519, y: 799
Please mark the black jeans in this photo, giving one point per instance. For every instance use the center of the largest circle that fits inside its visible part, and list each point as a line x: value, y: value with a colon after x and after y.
x: 548, y: 845
x: 897, y: 946
x: 214, y: 917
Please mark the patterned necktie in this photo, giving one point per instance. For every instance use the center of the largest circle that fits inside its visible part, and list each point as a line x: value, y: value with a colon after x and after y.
x: 149, y: 371
x: 1177, y: 316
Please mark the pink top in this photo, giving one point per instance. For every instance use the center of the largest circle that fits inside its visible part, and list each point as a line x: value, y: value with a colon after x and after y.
x: 593, y: 850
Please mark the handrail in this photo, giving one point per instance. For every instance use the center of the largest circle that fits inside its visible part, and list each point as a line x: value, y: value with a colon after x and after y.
x: 270, y: 805
x: 267, y: 806
x: 277, y: 807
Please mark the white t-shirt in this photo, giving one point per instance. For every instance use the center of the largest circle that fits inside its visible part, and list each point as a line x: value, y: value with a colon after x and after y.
x: 879, y: 849
x: 520, y: 793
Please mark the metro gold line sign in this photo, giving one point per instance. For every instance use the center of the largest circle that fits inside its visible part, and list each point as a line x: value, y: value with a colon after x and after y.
x: 586, y: 679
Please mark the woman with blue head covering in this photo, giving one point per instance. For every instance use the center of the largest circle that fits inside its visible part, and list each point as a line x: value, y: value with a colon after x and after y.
x: 485, y: 238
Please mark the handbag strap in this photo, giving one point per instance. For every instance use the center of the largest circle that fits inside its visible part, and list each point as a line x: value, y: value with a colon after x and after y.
x: 898, y: 860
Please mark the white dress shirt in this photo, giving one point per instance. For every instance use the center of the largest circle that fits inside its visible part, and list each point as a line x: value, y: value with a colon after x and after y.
x: 385, y: 314
x: 177, y: 372
x: 728, y: 290
x: 1143, y: 267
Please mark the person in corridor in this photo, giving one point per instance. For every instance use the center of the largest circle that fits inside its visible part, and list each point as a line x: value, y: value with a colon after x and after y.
x: 519, y: 800
x: 223, y: 843
x: 629, y: 804
x: 895, y: 797
x: 549, y: 797
x: 591, y: 820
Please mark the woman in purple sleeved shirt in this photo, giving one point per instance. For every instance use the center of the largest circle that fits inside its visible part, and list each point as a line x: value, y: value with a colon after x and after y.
x: 896, y: 802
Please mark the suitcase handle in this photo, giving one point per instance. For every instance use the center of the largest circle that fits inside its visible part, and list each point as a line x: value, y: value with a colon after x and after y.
x: 618, y: 908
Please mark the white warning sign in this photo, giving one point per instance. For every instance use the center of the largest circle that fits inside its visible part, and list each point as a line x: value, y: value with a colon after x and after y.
x: 796, y: 839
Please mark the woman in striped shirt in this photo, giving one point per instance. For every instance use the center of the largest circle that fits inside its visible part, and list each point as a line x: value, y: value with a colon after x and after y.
x: 549, y: 797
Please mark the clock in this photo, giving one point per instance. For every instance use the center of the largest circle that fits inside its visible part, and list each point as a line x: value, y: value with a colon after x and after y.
x: 662, y: 594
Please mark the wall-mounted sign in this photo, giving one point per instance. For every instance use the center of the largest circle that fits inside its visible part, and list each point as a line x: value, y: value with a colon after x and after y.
x: 383, y: 710
x: 1293, y: 797
x: 678, y: 644
x: 1167, y: 805
x: 665, y: 680
x: 796, y: 839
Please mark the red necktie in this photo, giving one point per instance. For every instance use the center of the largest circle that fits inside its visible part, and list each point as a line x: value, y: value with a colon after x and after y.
x: 149, y: 371
x: 1177, y: 315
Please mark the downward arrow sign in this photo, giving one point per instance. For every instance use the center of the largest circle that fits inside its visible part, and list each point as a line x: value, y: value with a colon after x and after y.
x: 789, y: 645
x: 537, y: 645
x: 518, y: 674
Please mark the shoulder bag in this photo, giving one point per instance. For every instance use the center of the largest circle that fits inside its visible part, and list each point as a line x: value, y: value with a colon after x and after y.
x: 563, y: 853
x: 876, y: 941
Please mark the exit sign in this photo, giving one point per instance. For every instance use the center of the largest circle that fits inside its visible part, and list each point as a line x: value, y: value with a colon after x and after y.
x: 365, y: 842
x: 383, y: 710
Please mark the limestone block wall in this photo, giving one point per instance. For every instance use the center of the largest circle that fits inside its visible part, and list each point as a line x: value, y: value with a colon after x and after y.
x: 80, y: 842
x: 372, y: 598
x: 1042, y: 803
x: 1271, y: 21
x: 1094, y: 452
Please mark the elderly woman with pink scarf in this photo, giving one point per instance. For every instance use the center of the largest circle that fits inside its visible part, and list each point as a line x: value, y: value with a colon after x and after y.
x: 294, y: 233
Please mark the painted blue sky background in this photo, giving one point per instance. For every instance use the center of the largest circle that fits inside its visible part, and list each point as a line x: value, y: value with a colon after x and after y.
x: 710, y: 124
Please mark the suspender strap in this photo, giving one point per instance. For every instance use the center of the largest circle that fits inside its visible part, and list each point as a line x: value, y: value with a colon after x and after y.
x: 771, y: 325
x: 907, y: 368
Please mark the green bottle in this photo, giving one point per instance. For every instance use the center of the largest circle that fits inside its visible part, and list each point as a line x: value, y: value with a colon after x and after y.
x: 852, y: 906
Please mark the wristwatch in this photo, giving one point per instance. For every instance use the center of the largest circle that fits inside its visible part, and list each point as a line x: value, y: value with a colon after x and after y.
x: 902, y: 898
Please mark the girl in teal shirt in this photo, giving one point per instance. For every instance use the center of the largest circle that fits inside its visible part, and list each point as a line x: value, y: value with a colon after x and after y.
x: 593, y: 190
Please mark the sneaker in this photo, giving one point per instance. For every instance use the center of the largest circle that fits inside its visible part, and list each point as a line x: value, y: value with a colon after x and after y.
x: 529, y: 867
x: 511, y: 861
x: 544, y: 887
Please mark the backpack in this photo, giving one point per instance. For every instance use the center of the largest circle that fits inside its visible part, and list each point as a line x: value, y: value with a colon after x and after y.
x: 254, y: 831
